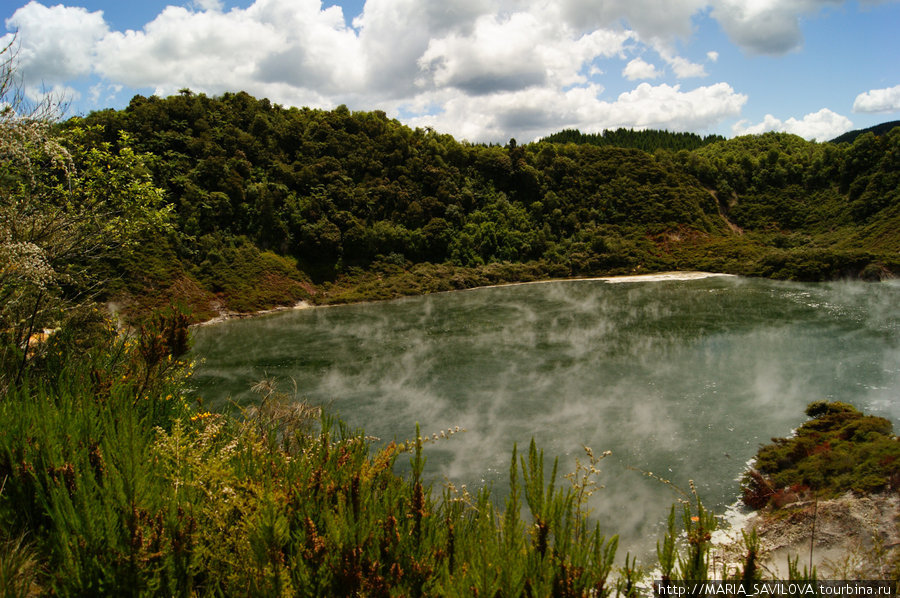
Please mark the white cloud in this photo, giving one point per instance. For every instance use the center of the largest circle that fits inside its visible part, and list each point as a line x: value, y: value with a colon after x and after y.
x: 514, y: 52
x: 96, y: 91
x: 271, y: 45
x: 768, y: 124
x: 639, y: 69
x: 214, y: 5
x: 878, y: 100
x: 682, y: 67
x: 766, y: 26
x: 535, y: 112
x: 36, y: 94
x: 821, y: 126
x: 666, y: 106
x: 685, y: 69
x: 758, y: 26
x: 56, y: 44
x: 392, y: 59
x: 457, y: 59
x: 662, y: 19
x: 105, y: 91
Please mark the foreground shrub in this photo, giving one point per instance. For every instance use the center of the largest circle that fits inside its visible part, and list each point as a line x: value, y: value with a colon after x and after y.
x: 838, y: 450
x: 121, y: 488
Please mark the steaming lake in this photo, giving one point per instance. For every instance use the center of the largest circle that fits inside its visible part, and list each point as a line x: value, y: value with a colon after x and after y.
x: 681, y: 378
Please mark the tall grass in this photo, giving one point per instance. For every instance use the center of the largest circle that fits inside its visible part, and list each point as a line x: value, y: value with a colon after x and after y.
x: 122, y: 488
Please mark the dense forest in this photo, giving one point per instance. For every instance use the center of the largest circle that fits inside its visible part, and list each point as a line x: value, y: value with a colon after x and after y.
x: 273, y: 204
x: 879, y: 129
x: 113, y: 481
x: 648, y: 140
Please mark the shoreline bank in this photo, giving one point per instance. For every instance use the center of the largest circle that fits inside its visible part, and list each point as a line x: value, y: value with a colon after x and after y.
x: 675, y: 275
x: 851, y: 536
x: 225, y: 316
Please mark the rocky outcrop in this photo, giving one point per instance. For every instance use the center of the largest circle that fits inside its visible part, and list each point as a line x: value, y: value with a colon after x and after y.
x: 849, y: 537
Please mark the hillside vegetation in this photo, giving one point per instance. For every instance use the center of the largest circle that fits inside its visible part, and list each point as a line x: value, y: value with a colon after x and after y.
x: 879, y: 129
x: 272, y: 204
x: 647, y: 140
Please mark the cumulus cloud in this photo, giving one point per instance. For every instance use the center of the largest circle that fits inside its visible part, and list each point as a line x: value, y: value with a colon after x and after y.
x: 762, y: 27
x: 453, y: 62
x: 680, y: 66
x: 820, y: 126
x: 766, y: 26
x: 684, y: 68
x: 514, y: 52
x: 662, y: 19
x: 666, y: 106
x: 273, y: 42
x: 757, y: 26
x: 56, y: 44
x: 36, y: 95
x: 392, y: 60
x: 532, y: 113
x: 102, y: 90
x: 639, y: 69
x: 878, y: 100
x: 208, y: 4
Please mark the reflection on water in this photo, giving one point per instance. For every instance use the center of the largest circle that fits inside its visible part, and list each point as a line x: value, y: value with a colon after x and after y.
x: 683, y: 379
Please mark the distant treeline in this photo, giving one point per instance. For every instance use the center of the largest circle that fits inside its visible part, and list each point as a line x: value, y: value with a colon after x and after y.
x: 259, y: 189
x: 880, y: 129
x: 649, y: 140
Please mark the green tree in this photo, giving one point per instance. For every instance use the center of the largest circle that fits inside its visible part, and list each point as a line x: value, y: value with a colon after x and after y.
x: 66, y: 205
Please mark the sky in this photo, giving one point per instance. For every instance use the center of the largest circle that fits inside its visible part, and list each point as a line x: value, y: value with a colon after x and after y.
x: 485, y: 70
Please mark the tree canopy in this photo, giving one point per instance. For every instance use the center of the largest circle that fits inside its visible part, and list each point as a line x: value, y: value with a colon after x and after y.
x: 337, y: 191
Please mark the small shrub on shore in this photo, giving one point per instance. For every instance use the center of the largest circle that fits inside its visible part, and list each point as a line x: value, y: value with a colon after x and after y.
x: 838, y: 450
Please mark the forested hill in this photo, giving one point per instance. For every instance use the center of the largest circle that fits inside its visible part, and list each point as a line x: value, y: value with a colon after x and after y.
x: 648, y: 140
x: 879, y: 129
x: 274, y: 204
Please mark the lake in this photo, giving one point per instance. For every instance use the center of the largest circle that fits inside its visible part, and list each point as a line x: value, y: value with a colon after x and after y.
x: 681, y: 379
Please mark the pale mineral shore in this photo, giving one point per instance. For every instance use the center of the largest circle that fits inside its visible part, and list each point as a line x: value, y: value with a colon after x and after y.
x: 225, y: 315
x: 849, y: 537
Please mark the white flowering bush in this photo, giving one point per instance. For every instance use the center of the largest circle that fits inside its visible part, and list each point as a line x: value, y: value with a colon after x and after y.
x: 67, y: 204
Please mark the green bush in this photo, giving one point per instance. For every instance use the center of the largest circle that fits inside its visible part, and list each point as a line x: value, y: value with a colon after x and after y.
x: 838, y: 450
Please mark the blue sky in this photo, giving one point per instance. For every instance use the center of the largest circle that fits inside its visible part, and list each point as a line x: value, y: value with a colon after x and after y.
x: 487, y: 70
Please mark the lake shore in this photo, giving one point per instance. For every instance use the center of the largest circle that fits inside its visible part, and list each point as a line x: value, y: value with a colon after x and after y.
x: 623, y: 278
x: 848, y: 537
x: 226, y: 315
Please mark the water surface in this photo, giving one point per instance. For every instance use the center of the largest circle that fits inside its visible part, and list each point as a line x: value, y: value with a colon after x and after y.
x: 683, y: 379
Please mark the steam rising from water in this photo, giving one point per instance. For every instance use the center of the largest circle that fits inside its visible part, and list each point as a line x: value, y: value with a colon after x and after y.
x: 680, y: 378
